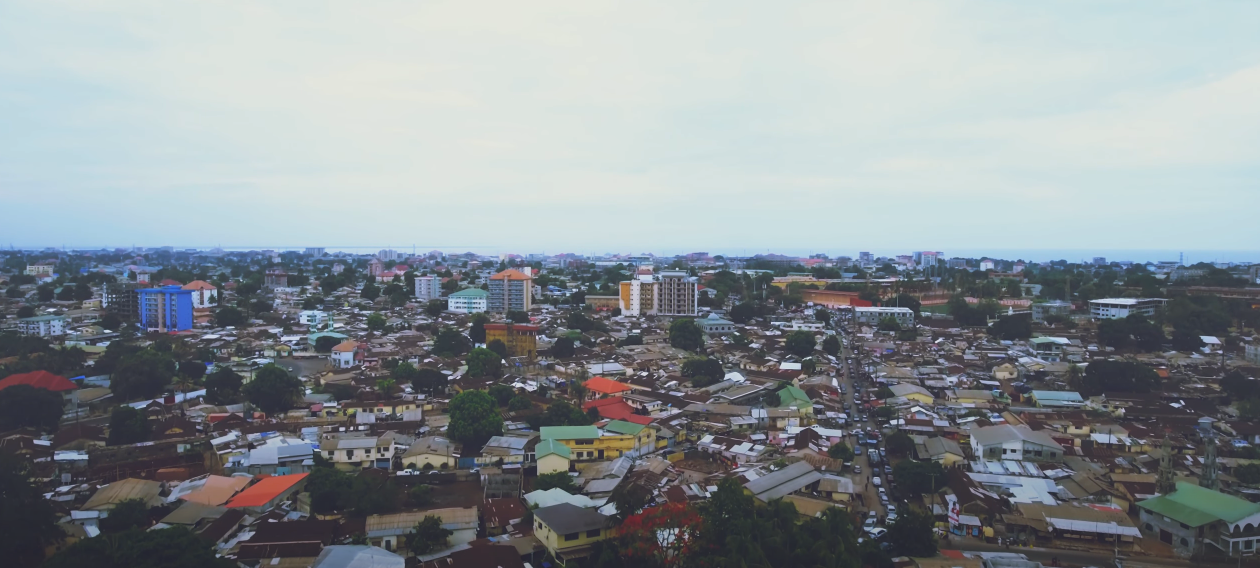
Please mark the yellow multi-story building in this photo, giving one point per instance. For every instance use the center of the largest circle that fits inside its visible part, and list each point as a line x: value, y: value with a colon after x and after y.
x: 521, y: 340
x: 617, y: 438
x: 568, y: 531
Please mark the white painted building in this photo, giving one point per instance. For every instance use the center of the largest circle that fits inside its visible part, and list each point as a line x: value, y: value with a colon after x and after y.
x: 43, y: 326
x: 469, y: 301
x: 428, y: 288
x: 1120, y: 308
x: 313, y: 318
x: 872, y: 316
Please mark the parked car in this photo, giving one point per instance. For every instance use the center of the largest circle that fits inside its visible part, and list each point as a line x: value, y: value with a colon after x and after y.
x: 877, y: 482
x: 877, y: 532
x: 857, y: 469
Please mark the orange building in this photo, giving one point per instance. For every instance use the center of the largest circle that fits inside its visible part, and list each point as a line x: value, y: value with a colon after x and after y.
x: 832, y: 298
x: 521, y: 340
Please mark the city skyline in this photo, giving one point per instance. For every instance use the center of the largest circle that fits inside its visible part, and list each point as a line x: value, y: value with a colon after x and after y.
x: 722, y: 125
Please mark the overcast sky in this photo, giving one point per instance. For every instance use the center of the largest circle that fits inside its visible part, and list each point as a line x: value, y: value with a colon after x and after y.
x: 632, y: 126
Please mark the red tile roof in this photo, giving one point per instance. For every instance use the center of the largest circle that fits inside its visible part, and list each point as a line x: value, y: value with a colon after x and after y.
x: 605, y: 386
x: 617, y: 409
x: 264, y: 491
x: 39, y: 379
x: 510, y: 274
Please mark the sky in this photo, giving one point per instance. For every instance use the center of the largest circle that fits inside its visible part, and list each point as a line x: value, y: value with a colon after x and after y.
x: 648, y: 126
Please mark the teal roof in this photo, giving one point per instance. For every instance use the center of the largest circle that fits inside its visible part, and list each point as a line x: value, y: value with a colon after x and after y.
x: 623, y: 427
x: 569, y: 432
x: 1197, y: 506
x: 1057, y: 395
x: 549, y: 447
x: 470, y: 293
x: 791, y: 395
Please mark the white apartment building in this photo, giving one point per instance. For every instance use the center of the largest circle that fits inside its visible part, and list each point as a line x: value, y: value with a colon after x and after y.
x: 313, y: 318
x: 1120, y: 308
x: 469, y: 301
x: 872, y: 316
x: 428, y: 288
x: 43, y: 326
x: 670, y: 293
x: 986, y: 264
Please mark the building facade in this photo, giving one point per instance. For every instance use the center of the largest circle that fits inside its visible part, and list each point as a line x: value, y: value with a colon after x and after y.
x: 122, y: 299
x: 670, y: 293
x: 43, y: 326
x: 1120, y: 308
x: 521, y: 340
x: 872, y: 316
x: 166, y: 309
x: 469, y: 301
x: 276, y: 278
x: 1055, y: 308
x: 1253, y: 353
x: 428, y: 288
x: 204, y: 294
x: 510, y: 290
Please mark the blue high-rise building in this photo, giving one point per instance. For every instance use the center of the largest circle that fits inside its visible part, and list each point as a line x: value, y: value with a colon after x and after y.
x: 166, y: 309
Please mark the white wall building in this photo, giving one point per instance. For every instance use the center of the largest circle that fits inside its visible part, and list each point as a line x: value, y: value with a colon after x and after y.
x: 43, y: 326
x: 428, y: 288
x: 872, y: 316
x: 469, y: 301
x: 1119, y: 308
x: 313, y: 318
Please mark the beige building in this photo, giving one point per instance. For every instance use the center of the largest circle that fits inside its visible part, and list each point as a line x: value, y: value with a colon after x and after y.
x: 670, y: 293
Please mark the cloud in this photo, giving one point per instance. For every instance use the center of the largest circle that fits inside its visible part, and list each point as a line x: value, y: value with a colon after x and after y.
x: 644, y: 126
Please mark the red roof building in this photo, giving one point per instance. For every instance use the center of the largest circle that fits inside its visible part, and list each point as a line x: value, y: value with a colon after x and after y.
x: 605, y: 387
x: 268, y: 491
x: 617, y: 409
x: 39, y: 380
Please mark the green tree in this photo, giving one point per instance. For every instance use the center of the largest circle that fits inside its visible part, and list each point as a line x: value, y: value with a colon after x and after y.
x: 449, y: 343
x: 556, y: 480
x: 1248, y: 473
x: 434, y: 308
x: 831, y: 345
x: 26, y: 312
x: 376, y: 321
x: 223, y: 386
x: 143, y: 374
x: 578, y: 320
x: 194, y: 370
x: 899, y: 443
x: 742, y: 312
x: 498, y: 347
x: 917, y: 478
x: 519, y: 403
x: 1104, y: 375
x: 141, y: 549
x: 126, y: 515
x: 483, y: 362
x: 1012, y: 327
x: 840, y: 451
x: 686, y: 335
x: 429, y: 380
x: 517, y: 316
x: 127, y: 425
x: 563, y: 348
x: 370, y: 292
x: 405, y: 373
x: 325, y: 343
x: 228, y: 316
x: 428, y: 536
x: 703, y: 371
x: 312, y: 302
x: 273, y: 389
x: 502, y: 394
x: 1186, y: 341
x: 912, y: 534
x: 14, y: 292
x: 800, y: 343
x: 477, y: 332
x: 25, y: 406
x: 474, y: 418
x: 1239, y: 386
x: 27, y: 519
x: 889, y: 323
x: 328, y: 488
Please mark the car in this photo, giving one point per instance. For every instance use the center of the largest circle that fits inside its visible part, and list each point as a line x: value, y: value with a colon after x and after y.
x: 857, y: 469
x: 872, y: 515
x: 409, y: 472
x: 877, y: 532
x: 891, y: 518
x: 882, y: 491
x: 869, y: 524
x: 877, y: 482
x: 887, y: 469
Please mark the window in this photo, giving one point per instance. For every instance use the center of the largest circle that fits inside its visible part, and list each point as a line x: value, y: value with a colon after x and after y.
x: 593, y: 533
x: 570, y: 536
x: 1037, y: 453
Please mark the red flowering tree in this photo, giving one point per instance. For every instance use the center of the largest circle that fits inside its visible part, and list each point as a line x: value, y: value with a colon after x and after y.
x: 661, y: 536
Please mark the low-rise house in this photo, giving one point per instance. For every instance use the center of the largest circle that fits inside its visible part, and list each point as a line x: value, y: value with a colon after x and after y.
x: 1192, y: 518
x: 43, y: 326
x: 430, y: 452
x: 390, y: 531
x: 552, y: 456
x: 1018, y: 443
x: 913, y: 392
x: 268, y: 492
x: 569, y: 531
x: 795, y: 477
x: 1056, y: 399
x: 615, y: 439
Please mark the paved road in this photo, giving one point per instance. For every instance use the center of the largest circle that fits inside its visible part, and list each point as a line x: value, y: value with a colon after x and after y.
x: 861, y: 482
x: 1075, y: 558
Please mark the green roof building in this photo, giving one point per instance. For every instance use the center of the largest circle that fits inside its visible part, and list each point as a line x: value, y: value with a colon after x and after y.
x: 1193, y: 517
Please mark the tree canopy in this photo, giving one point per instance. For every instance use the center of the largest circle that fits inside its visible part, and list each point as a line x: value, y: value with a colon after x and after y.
x: 450, y: 342
x: 801, y: 343
x: 703, y: 371
x: 223, y: 386
x: 428, y: 536
x: 140, y: 549
x: 27, y: 406
x: 143, y: 374
x: 27, y: 520
x: 685, y: 334
x: 474, y: 418
x: 273, y: 389
x: 1105, y: 375
x: 483, y: 362
x: 917, y: 478
x: 127, y: 425
x: 556, y: 480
